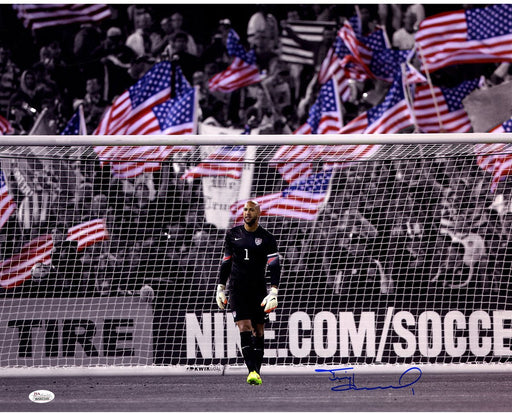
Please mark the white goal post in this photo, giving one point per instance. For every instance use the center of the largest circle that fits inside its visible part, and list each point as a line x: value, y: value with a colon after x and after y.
x: 396, y: 251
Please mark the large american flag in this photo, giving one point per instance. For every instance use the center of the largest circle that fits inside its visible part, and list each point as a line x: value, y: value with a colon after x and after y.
x: 5, y: 126
x: 452, y: 116
x: 16, y: 270
x: 132, y: 112
x: 145, y: 109
x: 226, y: 161
x: 7, y: 204
x: 388, y: 117
x: 466, y: 36
x: 301, y: 200
x: 38, y: 16
x: 243, y: 71
x: 496, y: 158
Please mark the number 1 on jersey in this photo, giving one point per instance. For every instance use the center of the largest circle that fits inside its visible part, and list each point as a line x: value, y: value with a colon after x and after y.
x: 246, y: 254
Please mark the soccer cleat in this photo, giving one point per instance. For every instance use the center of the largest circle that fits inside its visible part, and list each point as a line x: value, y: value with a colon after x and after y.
x: 253, y: 378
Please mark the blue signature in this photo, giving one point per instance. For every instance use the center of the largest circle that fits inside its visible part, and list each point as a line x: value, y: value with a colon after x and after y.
x: 348, y: 382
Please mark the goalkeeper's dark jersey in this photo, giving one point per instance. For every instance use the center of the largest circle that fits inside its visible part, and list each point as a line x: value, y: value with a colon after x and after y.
x: 247, y: 256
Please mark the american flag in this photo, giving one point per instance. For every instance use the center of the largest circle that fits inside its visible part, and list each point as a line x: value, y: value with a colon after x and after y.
x: 325, y: 114
x: 295, y: 162
x: 301, y: 200
x: 452, y: 115
x: 466, y: 36
x: 5, y: 126
x: 7, y: 204
x: 388, y: 117
x: 132, y: 112
x: 16, y: 269
x: 226, y: 161
x: 131, y: 161
x: 336, y: 66
x: 311, y: 31
x: 241, y: 72
x: 496, y: 158
x: 146, y: 108
x: 76, y: 125
x: 38, y: 16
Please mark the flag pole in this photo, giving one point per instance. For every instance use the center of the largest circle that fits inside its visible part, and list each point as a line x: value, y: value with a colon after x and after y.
x: 408, y: 97
x: 195, y: 128
x: 431, y: 87
x: 38, y: 121
x: 82, y: 125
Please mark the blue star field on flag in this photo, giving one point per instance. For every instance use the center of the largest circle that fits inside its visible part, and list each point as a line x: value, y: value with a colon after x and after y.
x: 174, y: 112
x: 385, y: 63
x: 326, y: 102
x: 235, y: 48
x: 73, y: 125
x: 454, y: 96
x: 507, y: 125
x: 314, y: 184
x: 394, y: 95
x: 489, y: 22
x: 157, y: 79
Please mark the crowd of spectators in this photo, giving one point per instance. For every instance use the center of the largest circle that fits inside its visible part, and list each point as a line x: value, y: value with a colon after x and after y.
x: 388, y: 225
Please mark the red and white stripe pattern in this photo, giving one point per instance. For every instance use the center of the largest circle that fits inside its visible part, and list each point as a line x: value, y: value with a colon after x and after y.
x: 7, y: 204
x: 16, y: 269
x: 38, y: 16
x: 131, y: 161
x: 88, y: 233
x: 465, y: 36
x: 496, y: 158
x: 226, y: 161
x: 237, y: 75
x: 5, y: 126
x: 440, y: 109
x: 295, y: 162
x: 301, y: 200
x: 243, y: 71
x: 393, y: 119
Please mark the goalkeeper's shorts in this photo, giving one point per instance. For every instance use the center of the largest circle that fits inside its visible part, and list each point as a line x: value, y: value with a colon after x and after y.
x: 246, y: 303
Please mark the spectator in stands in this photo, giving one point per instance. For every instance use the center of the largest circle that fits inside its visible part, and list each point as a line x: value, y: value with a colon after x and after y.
x: 9, y: 78
x: 22, y: 111
x: 144, y: 38
x: 187, y: 62
x: 216, y: 51
x: 403, y: 38
x: 117, y: 59
x: 93, y: 104
x: 170, y: 26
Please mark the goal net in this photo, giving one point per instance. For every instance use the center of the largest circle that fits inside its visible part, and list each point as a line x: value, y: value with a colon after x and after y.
x: 391, y: 254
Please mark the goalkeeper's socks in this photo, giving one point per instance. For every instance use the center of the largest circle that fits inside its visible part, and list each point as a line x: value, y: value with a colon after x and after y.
x: 259, y: 349
x: 247, y: 350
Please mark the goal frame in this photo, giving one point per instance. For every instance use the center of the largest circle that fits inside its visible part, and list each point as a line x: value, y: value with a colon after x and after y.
x: 198, y: 140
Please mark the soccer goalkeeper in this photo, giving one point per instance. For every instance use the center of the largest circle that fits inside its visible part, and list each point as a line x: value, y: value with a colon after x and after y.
x: 250, y: 251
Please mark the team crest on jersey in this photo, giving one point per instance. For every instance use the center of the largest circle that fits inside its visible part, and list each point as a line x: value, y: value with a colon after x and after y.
x: 258, y: 241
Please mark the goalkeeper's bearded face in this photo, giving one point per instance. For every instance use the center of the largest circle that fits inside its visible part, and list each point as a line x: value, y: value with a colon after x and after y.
x: 251, y: 213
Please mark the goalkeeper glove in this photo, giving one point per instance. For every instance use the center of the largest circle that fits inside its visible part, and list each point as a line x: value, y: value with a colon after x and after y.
x: 270, y: 301
x: 221, y: 296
